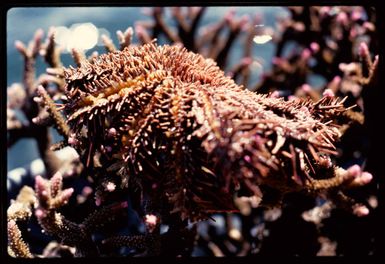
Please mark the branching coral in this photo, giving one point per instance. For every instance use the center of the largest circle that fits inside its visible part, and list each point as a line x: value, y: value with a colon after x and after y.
x: 19, y: 210
x: 22, y: 98
x: 212, y: 41
x: 325, y: 37
x: 169, y: 130
x: 47, y: 199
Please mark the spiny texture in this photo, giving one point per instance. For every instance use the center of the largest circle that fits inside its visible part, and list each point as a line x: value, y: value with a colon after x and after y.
x: 19, y: 210
x: 16, y: 245
x: 174, y: 127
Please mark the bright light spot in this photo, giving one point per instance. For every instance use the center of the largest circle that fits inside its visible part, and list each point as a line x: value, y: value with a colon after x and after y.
x: 37, y: 167
x: 151, y: 219
x: 262, y: 39
x: 16, y: 175
x: 81, y: 37
x: 85, y: 36
x: 62, y: 35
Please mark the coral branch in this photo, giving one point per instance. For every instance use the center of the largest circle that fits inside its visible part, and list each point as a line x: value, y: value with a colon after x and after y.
x: 125, y: 38
x: 17, y: 246
x: 19, y: 210
x: 30, y: 54
x: 60, y: 123
x: 50, y: 52
x: 108, y: 44
x: 51, y: 198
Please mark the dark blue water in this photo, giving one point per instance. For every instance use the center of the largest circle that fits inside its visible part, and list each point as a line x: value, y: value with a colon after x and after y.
x: 23, y: 22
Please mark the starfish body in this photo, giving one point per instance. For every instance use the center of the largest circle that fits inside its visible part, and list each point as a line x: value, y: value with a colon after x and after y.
x: 170, y: 120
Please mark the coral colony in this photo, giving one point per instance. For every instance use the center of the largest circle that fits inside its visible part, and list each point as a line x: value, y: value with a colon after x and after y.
x: 164, y: 135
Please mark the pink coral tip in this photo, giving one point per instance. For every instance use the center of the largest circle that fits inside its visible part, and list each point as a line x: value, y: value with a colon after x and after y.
x: 230, y: 74
x: 37, y: 99
x: 39, y: 33
x: 72, y: 140
x: 361, y: 210
x: 306, y: 88
x: 276, y: 60
x: 325, y: 10
x: 35, y: 120
x: 306, y: 54
x: 353, y: 33
x: 39, y: 213
x: 112, y: 132
x: 19, y: 45
x: 366, y: 177
x: 139, y: 29
x: 274, y: 94
x: 68, y: 192
x: 363, y: 49
x: 336, y: 79
x: 328, y: 93
x: 229, y: 16
x: 342, y: 18
x: 356, y: 15
x: 314, y: 47
x: 354, y: 170
x: 39, y: 183
x: 40, y: 89
x: 87, y: 190
x: 58, y: 176
x: 244, y: 22
x: 246, y: 61
x: 369, y: 26
x: 98, y: 201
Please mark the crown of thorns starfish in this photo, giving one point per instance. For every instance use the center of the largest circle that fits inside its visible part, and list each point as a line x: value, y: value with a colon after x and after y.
x: 171, y: 119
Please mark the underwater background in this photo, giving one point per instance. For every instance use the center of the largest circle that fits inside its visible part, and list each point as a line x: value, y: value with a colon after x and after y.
x: 332, y: 55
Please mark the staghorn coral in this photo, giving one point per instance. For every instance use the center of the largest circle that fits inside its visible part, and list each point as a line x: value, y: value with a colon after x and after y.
x: 214, y: 40
x: 189, y: 137
x: 22, y: 99
x: 46, y: 201
x: 19, y: 210
x: 154, y: 191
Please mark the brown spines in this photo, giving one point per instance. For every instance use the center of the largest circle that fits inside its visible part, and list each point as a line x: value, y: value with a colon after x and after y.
x: 184, y: 127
